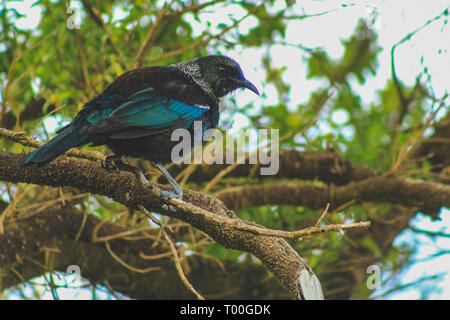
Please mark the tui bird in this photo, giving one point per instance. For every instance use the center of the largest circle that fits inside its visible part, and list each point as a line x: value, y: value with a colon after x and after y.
x: 136, y: 114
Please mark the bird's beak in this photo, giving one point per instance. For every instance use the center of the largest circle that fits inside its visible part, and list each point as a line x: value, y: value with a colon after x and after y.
x: 244, y: 83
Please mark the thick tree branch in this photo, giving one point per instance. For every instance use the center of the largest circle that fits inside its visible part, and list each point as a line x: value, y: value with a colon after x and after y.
x: 428, y: 196
x: 326, y: 166
x: 58, y: 229
x: 276, y: 254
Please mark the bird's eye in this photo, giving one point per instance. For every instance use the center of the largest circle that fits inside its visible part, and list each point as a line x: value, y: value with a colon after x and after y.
x: 222, y: 69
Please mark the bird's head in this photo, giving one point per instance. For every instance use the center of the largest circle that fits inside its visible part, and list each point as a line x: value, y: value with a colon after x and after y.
x: 218, y: 74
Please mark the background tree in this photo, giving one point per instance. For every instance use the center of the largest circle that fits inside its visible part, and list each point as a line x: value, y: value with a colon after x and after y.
x: 385, y: 162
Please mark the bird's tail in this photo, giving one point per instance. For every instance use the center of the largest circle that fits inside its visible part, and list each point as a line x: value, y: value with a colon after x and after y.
x: 68, y: 138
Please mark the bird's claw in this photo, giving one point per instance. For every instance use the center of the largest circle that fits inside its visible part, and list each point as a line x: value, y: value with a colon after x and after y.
x: 111, y: 164
x: 177, y: 192
x: 141, y: 177
x: 165, y: 195
x: 169, y: 208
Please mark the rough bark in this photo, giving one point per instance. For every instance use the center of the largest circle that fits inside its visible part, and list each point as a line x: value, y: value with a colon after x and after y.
x: 22, y: 258
x: 202, y: 211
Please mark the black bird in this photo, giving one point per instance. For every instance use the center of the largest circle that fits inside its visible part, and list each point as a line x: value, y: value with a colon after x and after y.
x: 136, y: 114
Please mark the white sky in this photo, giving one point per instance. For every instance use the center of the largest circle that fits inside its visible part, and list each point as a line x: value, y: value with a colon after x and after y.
x: 395, y: 19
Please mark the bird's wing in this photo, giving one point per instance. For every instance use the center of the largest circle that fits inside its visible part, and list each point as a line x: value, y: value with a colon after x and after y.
x: 145, y: 113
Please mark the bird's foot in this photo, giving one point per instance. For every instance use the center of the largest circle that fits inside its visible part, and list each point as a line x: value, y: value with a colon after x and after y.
x: 112, y: 163
x: 140, y: 175
x: 177, y: 192
x: 165, y: 195
x: 115, y: 164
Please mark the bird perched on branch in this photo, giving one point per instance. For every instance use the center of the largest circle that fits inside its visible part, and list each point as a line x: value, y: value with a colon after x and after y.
x: 136, y: 114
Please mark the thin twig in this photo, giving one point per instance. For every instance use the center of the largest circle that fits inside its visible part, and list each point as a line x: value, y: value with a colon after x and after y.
x: 323, y: 215
x: 83, y: 224
x: 123, y: 263
x: 204, y: 40
x: 192, y: 8
x: 252, y: 228
x: 83, y: 61
x: 16, y: 58
x: 179, y: 268
x: 307, y: 231
x: 11, y: 206
x: 151, y: 35
x: 155, y: 256
x: 242, y: 159
x: 20, y: 137
x: 123, y: 234
x: 414, y: 140
x: 99, y: 20
x: 173, y: 250
x: 186, y: 173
